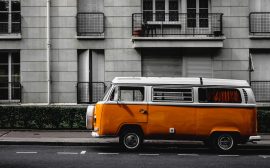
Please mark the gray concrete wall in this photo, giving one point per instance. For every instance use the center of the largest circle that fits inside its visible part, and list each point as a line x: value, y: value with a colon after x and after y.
x: 233, y: 59
x: 121, y: 59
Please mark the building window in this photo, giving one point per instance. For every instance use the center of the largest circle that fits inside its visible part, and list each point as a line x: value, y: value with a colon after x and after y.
x: 161, y: 10
x: 10, y: 76
x: 219, y: 95
x: 197, y: 10
x: 10, y: 16
x: 172, y: 95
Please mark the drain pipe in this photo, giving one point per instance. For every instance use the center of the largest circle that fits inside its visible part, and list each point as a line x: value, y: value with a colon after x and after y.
x: 48, y: 53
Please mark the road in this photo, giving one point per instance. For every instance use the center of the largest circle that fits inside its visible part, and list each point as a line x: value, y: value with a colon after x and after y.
x: 152, y: 156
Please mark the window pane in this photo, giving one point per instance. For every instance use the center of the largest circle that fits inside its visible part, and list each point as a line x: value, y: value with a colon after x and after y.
x: 15, y: 78
x: 3, y: 17
x: 218, y: 95
x: 173, y: 5
x: 147, y: 16
x: 131, y: 94
x: 16, y: 93
x: 172, y: 95
x: 4, y: 93
x: 3, y: 69
x: 160, y: 16
x: 15, y: 6
x: 147, y: 5
x: 191, y: 3
x: 203, y: 4
x: 3, y: 57
x: 15, y: 57
x: 4, y: 5
x: 160, y: 5
x: 173, y: 16
x: 203, y: 23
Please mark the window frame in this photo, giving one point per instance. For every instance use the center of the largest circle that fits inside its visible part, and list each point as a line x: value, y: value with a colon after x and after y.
x: 10, y: 21
x: 225, y: 88
x: 197, y: 20
x: 116, y: 91
x: 10, y: 74
x: 158, y: 101
x: 167, y: 10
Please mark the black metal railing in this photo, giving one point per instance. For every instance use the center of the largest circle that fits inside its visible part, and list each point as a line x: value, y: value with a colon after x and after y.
x: 10, y: 91
x: 89, y: 24
x: 10, y: 22
x: 261, y: 90
x: 259, y: 22
x: 176, y: 24
x: 90, y: 92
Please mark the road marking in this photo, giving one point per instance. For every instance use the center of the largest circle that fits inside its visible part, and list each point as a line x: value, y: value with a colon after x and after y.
x: 228, y: 155
x: 67, y: 153
x: 264, y: 156
x: 83, y: 152
x: 185, y: 154
x: 26, y: 152
x: 149, y: 154
x: 108, y: 153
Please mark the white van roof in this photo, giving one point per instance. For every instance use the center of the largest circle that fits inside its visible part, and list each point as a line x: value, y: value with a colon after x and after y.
x: 180, y: 81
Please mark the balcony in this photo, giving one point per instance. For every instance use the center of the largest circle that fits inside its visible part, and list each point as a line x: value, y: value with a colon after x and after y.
x: 261, y: 91
x: 259, y: 24
x: 11, y: 92
x: 10, y: 25
x: 90, y: 25
x: 90, y: 92
x: 179, y: 29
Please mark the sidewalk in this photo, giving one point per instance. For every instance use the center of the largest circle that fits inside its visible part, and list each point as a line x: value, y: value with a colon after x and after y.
x: 83, y: 138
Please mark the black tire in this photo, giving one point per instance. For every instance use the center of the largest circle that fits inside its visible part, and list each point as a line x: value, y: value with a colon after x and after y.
x: 131, y: 140
x: 224, y: 142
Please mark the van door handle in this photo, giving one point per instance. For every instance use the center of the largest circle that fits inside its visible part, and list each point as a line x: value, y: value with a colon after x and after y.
x: 143, y: 111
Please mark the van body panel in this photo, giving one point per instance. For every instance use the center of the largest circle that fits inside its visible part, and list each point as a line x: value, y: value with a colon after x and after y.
x: 118, y: 115
x: 214, y: 119
x: 162, y: 118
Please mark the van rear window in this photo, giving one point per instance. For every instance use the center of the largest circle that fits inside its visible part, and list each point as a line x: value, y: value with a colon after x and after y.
x: 219, y: 95
x: 172, y: 95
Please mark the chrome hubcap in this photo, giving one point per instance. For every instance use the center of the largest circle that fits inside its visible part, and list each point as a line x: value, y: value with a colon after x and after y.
x: 131, y: 141
x: 225, y: 142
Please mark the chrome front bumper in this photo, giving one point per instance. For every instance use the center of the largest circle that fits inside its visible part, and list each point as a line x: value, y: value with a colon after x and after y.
x: 254, y: 138
x: 95, y: 134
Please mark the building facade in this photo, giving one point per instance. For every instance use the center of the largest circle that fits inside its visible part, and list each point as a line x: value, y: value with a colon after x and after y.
x: 66, y: 51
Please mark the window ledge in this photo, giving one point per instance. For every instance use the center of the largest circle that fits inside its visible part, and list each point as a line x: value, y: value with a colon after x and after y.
x: 179, y: 38
x: 178, y: 42
x: 10, y: 36
x: 94, y: 37
x: 259, y: 36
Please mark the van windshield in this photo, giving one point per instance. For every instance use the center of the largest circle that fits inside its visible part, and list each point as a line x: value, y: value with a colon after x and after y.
x: 108, y: 90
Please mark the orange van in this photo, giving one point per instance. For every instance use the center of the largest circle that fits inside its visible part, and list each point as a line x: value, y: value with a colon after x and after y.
x: 220, y: 112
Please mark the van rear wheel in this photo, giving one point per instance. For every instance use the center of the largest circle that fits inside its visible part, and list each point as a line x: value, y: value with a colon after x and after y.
x: 131, y: 140
x: 224, y: 142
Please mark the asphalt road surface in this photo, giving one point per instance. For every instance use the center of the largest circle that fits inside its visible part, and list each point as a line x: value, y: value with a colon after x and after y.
x: 155, y: 156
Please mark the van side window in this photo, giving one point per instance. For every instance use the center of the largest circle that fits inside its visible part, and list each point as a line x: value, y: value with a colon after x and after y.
x: 131, y: 94
x: 219, y: 95
x: 172, y: 95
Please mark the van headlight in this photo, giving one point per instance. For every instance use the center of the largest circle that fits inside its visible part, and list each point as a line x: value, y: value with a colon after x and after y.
x: 90, y: 117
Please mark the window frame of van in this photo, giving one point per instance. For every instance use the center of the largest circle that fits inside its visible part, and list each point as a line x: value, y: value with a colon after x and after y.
x: 172, y: 87
x: 116, y: 87
x: 240, y: 91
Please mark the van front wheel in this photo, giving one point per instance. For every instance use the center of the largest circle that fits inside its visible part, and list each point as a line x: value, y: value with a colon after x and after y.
x: 224, y: 142
x: 131, y: 140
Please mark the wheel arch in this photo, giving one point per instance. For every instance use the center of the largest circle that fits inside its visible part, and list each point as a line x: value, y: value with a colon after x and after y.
x: 125, y: 127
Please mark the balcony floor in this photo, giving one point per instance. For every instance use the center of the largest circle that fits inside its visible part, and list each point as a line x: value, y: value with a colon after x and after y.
x: 178, y: 42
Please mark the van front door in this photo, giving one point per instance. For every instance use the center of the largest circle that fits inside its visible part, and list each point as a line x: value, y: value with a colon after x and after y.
x: 127, y: 105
